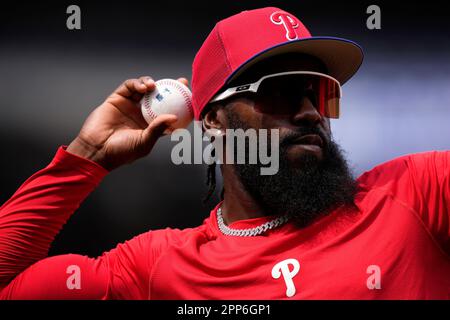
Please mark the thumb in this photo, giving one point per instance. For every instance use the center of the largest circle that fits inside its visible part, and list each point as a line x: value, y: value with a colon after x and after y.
x: 157, y: 127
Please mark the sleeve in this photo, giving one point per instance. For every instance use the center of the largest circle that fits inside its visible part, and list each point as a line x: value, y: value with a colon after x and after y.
x: 36, y: 212
x: 122, y: 273
x: 430, y: 176
x: 422, y: 182
x: 33, y: 216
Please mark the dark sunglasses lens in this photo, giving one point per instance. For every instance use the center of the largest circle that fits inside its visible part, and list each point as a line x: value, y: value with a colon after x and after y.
x: 284, y: 95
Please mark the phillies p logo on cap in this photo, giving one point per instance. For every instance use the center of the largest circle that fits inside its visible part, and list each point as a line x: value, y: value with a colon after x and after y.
x: 228, y: 52
x: 290, y: 23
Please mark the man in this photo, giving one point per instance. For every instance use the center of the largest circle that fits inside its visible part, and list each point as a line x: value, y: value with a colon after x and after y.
x: 310, y: 231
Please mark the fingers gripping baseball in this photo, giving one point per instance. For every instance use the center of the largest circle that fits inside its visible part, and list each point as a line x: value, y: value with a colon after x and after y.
x: 116, y: 133
x: 135, y: 88
x: 161, y: 124
x: 183, y: 81
x: 157, y: 128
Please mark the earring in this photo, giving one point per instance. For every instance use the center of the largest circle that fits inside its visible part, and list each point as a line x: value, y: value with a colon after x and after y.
x: 212, y: 132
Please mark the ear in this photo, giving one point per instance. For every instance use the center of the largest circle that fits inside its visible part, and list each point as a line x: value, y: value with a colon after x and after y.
x: 213, y: 121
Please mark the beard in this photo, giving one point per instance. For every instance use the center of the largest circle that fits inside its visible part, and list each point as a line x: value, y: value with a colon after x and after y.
x: 305, y: 192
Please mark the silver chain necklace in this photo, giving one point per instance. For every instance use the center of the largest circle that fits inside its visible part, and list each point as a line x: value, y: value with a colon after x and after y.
x: 249, y: 232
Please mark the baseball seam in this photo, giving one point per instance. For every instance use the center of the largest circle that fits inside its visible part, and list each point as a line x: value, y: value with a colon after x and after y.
x: 148, y: 108
x: 183, y: 92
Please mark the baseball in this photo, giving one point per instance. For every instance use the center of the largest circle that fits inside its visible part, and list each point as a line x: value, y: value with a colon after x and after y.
x: 169, y: 97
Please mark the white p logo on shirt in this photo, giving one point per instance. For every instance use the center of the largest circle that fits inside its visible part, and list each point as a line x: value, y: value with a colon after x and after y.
x: 282, y: 269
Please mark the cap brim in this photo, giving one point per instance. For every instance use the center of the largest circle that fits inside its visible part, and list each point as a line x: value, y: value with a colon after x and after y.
x: 342, y: 57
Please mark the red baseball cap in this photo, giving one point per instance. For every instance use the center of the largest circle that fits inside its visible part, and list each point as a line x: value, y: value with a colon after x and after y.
x: 248, y: 37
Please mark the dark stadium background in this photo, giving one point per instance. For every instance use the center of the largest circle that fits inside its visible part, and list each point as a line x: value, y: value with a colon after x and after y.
x: 52, y: 78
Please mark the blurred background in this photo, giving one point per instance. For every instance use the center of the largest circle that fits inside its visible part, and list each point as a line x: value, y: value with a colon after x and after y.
x: 51, y: 78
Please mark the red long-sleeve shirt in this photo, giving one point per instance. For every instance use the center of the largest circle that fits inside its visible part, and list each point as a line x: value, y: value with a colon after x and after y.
x: 393, y: 243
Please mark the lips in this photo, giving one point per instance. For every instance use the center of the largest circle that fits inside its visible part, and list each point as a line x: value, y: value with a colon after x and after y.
x: 309, y: 139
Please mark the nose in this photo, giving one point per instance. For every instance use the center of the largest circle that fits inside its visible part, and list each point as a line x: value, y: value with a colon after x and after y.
x: 306, y: 113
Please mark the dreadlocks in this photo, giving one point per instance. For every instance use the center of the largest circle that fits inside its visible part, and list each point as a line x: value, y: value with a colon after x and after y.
x: 210, y: 181
x: 211, y: 171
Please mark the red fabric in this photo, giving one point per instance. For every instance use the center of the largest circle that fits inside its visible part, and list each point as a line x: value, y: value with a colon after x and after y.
x: 399, y: 222
x: 231, y: 43
x: 246, y: 38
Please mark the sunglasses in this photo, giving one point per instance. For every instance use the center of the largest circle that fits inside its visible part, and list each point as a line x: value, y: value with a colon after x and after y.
x: 280, y: 93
